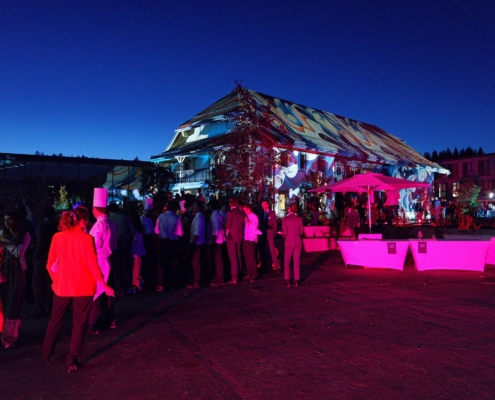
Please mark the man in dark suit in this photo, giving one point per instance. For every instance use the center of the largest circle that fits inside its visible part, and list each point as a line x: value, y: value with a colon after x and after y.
x: 266, y: 241
x: 234, y: 230
x: 292, y: 229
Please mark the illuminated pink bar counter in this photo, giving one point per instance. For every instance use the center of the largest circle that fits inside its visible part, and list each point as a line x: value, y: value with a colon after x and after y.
x: 375, y: 253
x: 318, y: 238
x: 467, y: 255
x: 490, y: 254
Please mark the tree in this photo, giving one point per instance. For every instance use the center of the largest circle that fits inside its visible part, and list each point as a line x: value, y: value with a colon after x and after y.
x: 455, y: 153
x: 467, y: 198
x: 434, y: 155
x: 156, y: 181
x: 244, y: 162
x: 427, y: 155
x: 480, y: 152
x: 470, y: 151
x: 62, y: 203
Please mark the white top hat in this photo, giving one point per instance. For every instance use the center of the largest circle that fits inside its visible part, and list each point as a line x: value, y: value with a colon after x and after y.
x: 100, y: 197
x: 148, y: 203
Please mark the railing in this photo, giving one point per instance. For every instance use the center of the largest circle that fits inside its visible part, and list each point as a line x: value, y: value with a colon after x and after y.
x: 194, y: 175
x: 186, y: 173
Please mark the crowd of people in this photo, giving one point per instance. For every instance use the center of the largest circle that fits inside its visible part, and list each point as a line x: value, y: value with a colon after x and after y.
x: 86, y: 256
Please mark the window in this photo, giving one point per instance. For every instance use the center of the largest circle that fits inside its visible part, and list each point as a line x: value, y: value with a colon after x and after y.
x: 454, y: 170
x: 455, y: 188
x: 484, y: 167
x: 486, y: 184
x: 468, y: 169
x: 442, y: 190
x: 302, y: 161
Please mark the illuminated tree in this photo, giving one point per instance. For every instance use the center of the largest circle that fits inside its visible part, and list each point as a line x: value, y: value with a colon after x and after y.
x: 248, y: 153
x: 62, y: 203
x: 466, y: 200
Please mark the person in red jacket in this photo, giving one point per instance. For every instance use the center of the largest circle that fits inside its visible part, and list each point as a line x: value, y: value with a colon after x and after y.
x: 73, y: 267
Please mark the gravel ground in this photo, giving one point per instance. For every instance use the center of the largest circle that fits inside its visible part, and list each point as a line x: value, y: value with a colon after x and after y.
x: 345, y: 333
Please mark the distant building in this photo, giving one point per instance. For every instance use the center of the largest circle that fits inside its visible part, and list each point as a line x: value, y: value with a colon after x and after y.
x: 334, y: 145
x: 27, y: 177
x: 478, y: 169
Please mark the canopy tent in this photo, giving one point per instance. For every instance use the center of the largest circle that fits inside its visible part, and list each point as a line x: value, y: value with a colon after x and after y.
x: 368, y: 183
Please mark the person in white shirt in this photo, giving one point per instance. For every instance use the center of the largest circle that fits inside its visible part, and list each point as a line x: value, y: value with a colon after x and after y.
x: 102, y: 314
x: 198, y: 245
x: 169, y: 228
x: 216, y: 238
x: 251, y: 233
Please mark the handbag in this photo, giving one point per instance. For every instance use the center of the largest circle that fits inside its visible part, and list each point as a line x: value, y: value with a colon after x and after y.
x: 3, y: 277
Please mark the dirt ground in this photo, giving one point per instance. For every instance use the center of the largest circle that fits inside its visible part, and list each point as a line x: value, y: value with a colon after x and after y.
x: 345, y: 333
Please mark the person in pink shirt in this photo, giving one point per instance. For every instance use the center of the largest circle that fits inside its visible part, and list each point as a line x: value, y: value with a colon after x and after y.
x: 251, y: 233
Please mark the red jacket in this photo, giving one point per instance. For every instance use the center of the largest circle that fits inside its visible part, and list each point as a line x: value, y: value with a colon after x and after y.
x: 77, y: 269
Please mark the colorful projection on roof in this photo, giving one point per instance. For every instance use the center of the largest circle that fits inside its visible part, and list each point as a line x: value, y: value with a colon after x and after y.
x: 330, y: 133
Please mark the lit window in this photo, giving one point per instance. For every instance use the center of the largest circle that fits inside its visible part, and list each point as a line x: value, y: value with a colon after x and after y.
x: 455, y: 188
x: 442, y: 190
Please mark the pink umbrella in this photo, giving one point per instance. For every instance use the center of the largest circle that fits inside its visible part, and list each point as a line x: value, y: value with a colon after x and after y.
x: 367, y: 183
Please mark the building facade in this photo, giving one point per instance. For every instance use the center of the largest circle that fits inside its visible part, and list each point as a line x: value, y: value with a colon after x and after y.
x: 335, y: 146
x: 479, y: 169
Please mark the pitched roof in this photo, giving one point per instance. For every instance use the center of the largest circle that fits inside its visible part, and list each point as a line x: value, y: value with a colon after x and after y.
x: 319, y: 131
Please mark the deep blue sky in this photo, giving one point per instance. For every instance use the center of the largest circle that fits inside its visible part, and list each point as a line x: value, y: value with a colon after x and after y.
x: 113, y: 79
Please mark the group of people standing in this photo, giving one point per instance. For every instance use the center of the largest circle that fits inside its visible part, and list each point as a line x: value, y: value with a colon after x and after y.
x: 215, y: 244
x: 191, y: 243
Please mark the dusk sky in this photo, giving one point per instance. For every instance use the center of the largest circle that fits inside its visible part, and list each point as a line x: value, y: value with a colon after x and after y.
x: 114, y: 79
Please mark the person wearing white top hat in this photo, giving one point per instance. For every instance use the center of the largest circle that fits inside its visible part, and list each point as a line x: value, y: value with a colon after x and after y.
x: 102, y: 313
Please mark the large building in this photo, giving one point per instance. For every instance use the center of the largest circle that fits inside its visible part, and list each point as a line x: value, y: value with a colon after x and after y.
x: 479, y: 169
x: 320, y: 141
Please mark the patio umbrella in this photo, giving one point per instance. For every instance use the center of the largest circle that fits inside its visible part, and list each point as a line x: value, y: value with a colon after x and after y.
x: 369, y: 182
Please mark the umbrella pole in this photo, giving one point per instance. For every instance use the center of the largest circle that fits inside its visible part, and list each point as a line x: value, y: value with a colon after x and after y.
x: 369, y: 210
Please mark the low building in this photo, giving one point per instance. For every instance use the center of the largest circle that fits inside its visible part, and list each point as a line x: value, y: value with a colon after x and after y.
x: 38, y: 178
x: 479, y: 169
x: 336, y: 146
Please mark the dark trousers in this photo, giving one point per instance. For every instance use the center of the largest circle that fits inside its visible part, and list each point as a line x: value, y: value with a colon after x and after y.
x: 235, y: 257
x: 249, y: 251
x: 102, y: 313
x: 168, y: 262
x: 80, y: 312
x: 148, y: 267
x: 121, y: 272
x: 217, y: 262
x: 268, y: 254
x: 42, y: 290
x: 199, y: 263
x: 184, y: 269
